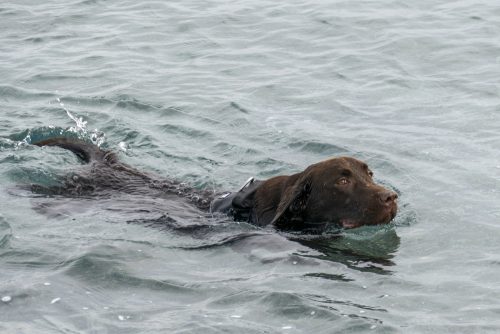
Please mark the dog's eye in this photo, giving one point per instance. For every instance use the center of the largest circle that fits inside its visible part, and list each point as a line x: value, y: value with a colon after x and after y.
x: 343, y: 181
x: 370, y: 173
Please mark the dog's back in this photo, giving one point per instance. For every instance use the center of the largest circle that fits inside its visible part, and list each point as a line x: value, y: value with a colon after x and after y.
x: 106, y: 173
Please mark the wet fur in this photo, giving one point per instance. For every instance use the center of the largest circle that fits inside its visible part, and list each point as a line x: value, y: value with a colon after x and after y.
x: 311, y: 199
x: 105, y: 174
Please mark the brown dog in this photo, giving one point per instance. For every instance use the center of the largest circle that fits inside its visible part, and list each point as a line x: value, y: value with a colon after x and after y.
x: 338, y: 191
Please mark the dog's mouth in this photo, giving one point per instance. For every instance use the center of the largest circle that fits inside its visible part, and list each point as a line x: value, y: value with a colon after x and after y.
x: 349, y: 223
x: 385, y: 217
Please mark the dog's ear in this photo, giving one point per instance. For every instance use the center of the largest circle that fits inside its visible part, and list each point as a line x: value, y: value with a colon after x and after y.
x: 291, y: 208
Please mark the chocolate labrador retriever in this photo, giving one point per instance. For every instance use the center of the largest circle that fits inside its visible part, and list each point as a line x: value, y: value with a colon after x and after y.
x: 339, y: 191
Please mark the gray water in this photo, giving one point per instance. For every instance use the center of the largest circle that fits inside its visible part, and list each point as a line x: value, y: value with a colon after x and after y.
x: 213, y: 92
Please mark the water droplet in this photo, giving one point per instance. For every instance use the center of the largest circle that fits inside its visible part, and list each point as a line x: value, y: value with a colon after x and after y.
x: 46, y: 283
x: 55, y: 300
x: 6, y: 299
x: 123, y: 146
x: 294, y: 262
x: 236, y: 316
x: 121, y: 317
x: 286, y: 327
x: 313, y: 312
x: 373, y: 327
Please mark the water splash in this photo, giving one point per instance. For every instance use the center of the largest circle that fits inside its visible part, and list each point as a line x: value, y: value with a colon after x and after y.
x: 79, y: 130
x: 80, y: 123
x: 97, y: 137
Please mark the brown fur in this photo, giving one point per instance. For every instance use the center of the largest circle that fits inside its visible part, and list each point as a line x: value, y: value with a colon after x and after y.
x: 338, y: 191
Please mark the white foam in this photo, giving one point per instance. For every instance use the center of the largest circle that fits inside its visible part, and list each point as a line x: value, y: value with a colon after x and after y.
x: 123, y: 146
x: 96, y: 136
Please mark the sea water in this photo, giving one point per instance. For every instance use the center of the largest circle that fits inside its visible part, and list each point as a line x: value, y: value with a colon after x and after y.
x: 213, y: 92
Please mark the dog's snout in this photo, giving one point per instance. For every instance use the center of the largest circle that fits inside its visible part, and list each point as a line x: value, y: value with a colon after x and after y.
x: 388, y: 197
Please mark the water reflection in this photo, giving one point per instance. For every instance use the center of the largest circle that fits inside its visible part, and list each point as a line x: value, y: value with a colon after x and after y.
x: 367, y: 249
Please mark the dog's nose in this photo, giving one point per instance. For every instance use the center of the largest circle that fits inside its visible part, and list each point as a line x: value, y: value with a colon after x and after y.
x: 388, y: 197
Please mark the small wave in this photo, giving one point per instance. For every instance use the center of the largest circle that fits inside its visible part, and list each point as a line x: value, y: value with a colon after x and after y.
x: 131, y: 103
x: 183, y: 130
x: 406, y: 216
x: 110, y: 270
x: 38, y: 39
x: 6, y: 143
x: 332, y: 277
x: 5, y: 232
x: 80, y: 131
x: 224, y: 241
x: 239, y: 108
x: 326, y: 300
x: 209, y: 233
x: 13, y: 92
x: 30, y: 136
x: 317, y: 147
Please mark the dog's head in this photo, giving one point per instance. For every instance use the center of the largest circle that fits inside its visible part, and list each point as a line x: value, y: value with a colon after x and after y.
x: 338, y: 191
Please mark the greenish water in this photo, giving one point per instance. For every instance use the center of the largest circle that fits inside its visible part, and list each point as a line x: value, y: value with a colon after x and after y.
x: 213, y: 92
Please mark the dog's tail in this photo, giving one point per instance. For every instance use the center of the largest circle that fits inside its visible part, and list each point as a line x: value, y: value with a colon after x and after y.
x: 85, y: 151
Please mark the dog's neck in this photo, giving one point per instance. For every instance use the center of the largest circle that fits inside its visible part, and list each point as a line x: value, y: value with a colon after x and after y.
x: 268, y: 197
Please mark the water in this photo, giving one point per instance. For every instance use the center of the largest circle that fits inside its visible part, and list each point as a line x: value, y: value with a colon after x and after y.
x: 213, y: 92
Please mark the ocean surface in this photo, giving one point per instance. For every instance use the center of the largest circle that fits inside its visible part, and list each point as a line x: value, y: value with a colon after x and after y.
x: 213, y: 92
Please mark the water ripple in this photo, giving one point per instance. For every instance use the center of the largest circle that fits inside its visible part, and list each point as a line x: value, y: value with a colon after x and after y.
x: 214, y: 92
x: 5, y: 233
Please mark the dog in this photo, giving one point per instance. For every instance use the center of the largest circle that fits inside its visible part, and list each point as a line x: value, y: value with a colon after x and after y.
x: 337, y: 192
